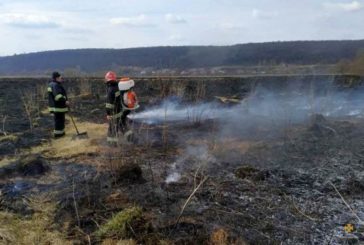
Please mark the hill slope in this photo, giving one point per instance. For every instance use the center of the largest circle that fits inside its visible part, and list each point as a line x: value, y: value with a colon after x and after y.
x: 93, y: 60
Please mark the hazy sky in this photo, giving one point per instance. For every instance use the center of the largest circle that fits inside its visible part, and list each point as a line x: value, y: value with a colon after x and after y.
x: 30, y: 26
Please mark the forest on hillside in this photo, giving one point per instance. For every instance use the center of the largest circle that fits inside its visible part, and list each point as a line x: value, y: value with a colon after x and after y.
x: 182, y: 57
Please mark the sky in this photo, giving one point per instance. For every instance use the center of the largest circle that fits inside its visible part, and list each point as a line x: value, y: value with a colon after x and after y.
x: 32, y: 26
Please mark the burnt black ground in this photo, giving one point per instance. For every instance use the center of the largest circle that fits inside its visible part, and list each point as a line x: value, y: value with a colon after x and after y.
x: 280, y: 191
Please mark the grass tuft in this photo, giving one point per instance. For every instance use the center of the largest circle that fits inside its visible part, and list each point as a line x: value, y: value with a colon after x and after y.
x: 119, y: 225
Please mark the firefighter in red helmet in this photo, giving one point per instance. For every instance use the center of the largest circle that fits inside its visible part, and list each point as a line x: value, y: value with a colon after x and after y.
x: 113, y: 107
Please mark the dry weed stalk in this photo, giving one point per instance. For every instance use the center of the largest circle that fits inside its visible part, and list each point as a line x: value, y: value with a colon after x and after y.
x: 298, y: 210
x: 189, y: 199
x: 75, y: 203
x: 3, y: 125
x: 178, y: 89
x: 148, y: 145
x: 41, y: 97
x: 163, y: 88
x: 165, y: 130
x: 200, y: 90
x: 195, y: 176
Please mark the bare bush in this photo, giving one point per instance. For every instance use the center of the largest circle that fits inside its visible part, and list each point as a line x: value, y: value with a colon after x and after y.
x: 3, y: 115
x: 3, y: 131
x: 200, y: 90
x: 85, y: 86
x: 31, y: 107
x: 178, y: 89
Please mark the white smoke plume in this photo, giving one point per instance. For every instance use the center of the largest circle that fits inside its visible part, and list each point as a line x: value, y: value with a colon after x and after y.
x: 264, y: 114
x: 261, y: 107
x: 172, y: 111
x: 194, y: 157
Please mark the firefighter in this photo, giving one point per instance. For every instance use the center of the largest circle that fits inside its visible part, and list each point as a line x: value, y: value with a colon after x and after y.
x: 113, y: 107
x: 58, y: 103
x: 129, y: 102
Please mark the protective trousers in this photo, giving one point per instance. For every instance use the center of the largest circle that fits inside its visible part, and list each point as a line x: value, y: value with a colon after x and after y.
x: 124, y: 124
x: 59, y: 120
x: 113, y: 131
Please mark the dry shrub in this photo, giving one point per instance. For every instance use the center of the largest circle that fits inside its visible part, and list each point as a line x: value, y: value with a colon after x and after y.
x: 85, y: 87
x: 117, y: 199
x: 163, y: 87
x: 168, y: 88
x: 222, y: 237
x: 178, y: 89
x: 219, y: 237
x: 31, y: 107
x: 123, y: 166
x: 200, y: 90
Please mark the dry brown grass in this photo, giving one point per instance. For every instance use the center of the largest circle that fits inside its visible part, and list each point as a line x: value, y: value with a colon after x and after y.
x: 120, y: 242
x: 232, y: 145
x: 37, y: 229
x: 71, y: 146
x: 6, y: 160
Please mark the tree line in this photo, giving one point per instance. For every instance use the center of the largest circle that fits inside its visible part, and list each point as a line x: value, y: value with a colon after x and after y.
x: 182, y: 57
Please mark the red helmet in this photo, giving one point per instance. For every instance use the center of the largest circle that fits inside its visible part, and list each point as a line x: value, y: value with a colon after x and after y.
x: 110, y: 76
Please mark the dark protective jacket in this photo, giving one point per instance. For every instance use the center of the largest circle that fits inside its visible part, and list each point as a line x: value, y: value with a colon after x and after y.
x: 57, y: 97
x: 113, y: 102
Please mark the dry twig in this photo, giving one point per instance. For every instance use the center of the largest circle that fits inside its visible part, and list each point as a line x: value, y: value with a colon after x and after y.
x: 342, y: 198
x: 189, y: 199
x: 75, y: 203
x: 4, y: 120
x: 298, y: 210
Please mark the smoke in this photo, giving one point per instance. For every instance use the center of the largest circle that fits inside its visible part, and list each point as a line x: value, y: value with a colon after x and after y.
x: 172, y: 110
x: 264, y: 109
x: 262, y: 115
x: 277, y: 110
x: 194, y: 157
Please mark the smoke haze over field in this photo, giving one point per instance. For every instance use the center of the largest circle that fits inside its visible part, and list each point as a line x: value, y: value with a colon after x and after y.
x: 265, y: 113
x: 263, y: 108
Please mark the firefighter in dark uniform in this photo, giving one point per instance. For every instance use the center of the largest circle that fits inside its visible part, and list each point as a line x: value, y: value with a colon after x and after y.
x: 58, y: 103
x: 113, y: 107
